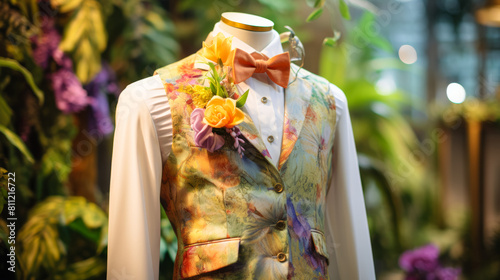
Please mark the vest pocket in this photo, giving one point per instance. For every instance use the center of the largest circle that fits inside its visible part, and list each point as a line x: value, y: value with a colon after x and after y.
x: 208, y: 256
x: 319, y: 242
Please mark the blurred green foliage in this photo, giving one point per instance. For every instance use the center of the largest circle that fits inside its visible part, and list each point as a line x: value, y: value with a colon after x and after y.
x: 400, y: 198
x: 84, y: 35
x: 62, y: 239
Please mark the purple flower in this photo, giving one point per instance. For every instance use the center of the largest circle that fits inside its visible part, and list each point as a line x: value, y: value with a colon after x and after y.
x: 203, y: 135
x: 103, y: 83
x: 423, y: 264
x: 423, y: 259
x: 46, y: 46
x: 236, y: 133
x: 447, y: 273
x: 69, y: 93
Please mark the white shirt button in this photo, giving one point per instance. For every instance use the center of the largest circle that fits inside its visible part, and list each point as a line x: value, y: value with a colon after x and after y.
x: 263, y: 100
x: 270, y: 139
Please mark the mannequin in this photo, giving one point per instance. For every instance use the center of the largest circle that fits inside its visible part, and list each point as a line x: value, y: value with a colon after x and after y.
x: 143, y: 160
x: 253, y: 30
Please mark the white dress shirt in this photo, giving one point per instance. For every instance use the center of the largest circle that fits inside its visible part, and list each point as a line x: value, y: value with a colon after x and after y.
x: 142, y: 143
x: 265, y: 102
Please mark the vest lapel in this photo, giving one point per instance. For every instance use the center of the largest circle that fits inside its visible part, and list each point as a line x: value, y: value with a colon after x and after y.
x: 250, y: 132
x: 297, y: 97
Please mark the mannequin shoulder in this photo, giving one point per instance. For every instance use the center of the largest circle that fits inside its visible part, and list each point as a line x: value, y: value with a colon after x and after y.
x: 322, y: 84
x: 150, y: 87
x: 141, y: 91
x: 174, y: 71
x: 144, y: 106
x: 142, y: 99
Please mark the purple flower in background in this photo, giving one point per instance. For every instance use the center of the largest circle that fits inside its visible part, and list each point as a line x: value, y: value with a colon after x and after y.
x: 69, y: 93
x: 423, y: 264
x: 421, y: 259
x: 203, y: 135
x: 103, y: 83
x: 447, y: 273
x: 46, y: 46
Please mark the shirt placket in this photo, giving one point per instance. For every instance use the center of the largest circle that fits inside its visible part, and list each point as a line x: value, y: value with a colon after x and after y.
x: 262, y: 107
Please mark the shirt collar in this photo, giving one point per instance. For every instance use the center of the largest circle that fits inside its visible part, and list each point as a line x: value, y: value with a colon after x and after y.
x: 272, y: 49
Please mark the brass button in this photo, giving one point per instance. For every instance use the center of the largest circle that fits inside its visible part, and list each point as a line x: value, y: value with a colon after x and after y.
x: 270, y: 139
x: 280, y: 225
x: 263, y: 100
x: 278, y: 187
x: 281, y: 257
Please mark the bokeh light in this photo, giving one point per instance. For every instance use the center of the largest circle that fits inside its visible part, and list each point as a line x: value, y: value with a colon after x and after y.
x: 407, y: 54
x: 455, y: 93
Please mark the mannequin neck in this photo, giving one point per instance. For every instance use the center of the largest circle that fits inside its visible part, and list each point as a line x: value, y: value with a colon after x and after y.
x: 255, y: 39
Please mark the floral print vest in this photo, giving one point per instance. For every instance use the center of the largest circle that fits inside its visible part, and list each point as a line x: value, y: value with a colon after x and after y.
x: 241, y: 217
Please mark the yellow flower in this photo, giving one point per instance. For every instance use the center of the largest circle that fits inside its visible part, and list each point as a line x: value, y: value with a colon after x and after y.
x: 222, y: 112
x: 201, y: 95
x: 220, y: 47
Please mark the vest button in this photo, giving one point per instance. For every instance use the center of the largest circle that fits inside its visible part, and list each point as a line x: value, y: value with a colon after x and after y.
x: 270, y: 139
x: 280, y: 225
x: 278, y: 187
x: 263, y: 100
x: 281, y: 257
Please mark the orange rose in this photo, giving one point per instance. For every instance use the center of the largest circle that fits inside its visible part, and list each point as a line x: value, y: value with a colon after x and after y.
x: 220, y: 47
x: 222, y: 112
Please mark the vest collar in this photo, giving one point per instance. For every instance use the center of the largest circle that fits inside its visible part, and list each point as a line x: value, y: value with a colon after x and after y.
x: 297, y: 96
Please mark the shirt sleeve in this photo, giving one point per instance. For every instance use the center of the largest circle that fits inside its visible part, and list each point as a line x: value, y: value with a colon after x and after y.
x: 134, y: 198
x: 348, y: 237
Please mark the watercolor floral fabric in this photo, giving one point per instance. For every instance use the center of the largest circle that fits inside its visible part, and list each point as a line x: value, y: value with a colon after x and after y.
x: 241, y: 217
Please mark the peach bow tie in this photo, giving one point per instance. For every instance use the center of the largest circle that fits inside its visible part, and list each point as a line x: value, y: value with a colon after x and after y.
x: 276, y: 67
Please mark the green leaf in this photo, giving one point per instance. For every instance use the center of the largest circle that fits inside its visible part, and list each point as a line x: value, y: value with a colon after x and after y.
x: 65, y: 6
x: 86, y: 37
x: 214, y: 72
x: 319, y: 3
x: 103, y: 239
x: 241, y: 101
x: 17, y: 142
x: 50, y: 235
x: 311, y: 3
x: 3, y: 199
x: 93, y: 216
x: 73, y: 208
x: 79, y: 226
x: 14, y: 65
x: 215, y: 80
x: 315, y: 14
x: 329, y: 42
x: 224, y: 91
x: 5, y: 112
x: 344, y: 10
x: 213, y: 89
x: 332, y: 41
x: 220, y: 92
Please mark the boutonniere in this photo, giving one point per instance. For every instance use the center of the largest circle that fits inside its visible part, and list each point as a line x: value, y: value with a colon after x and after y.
x: 217, y: 105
